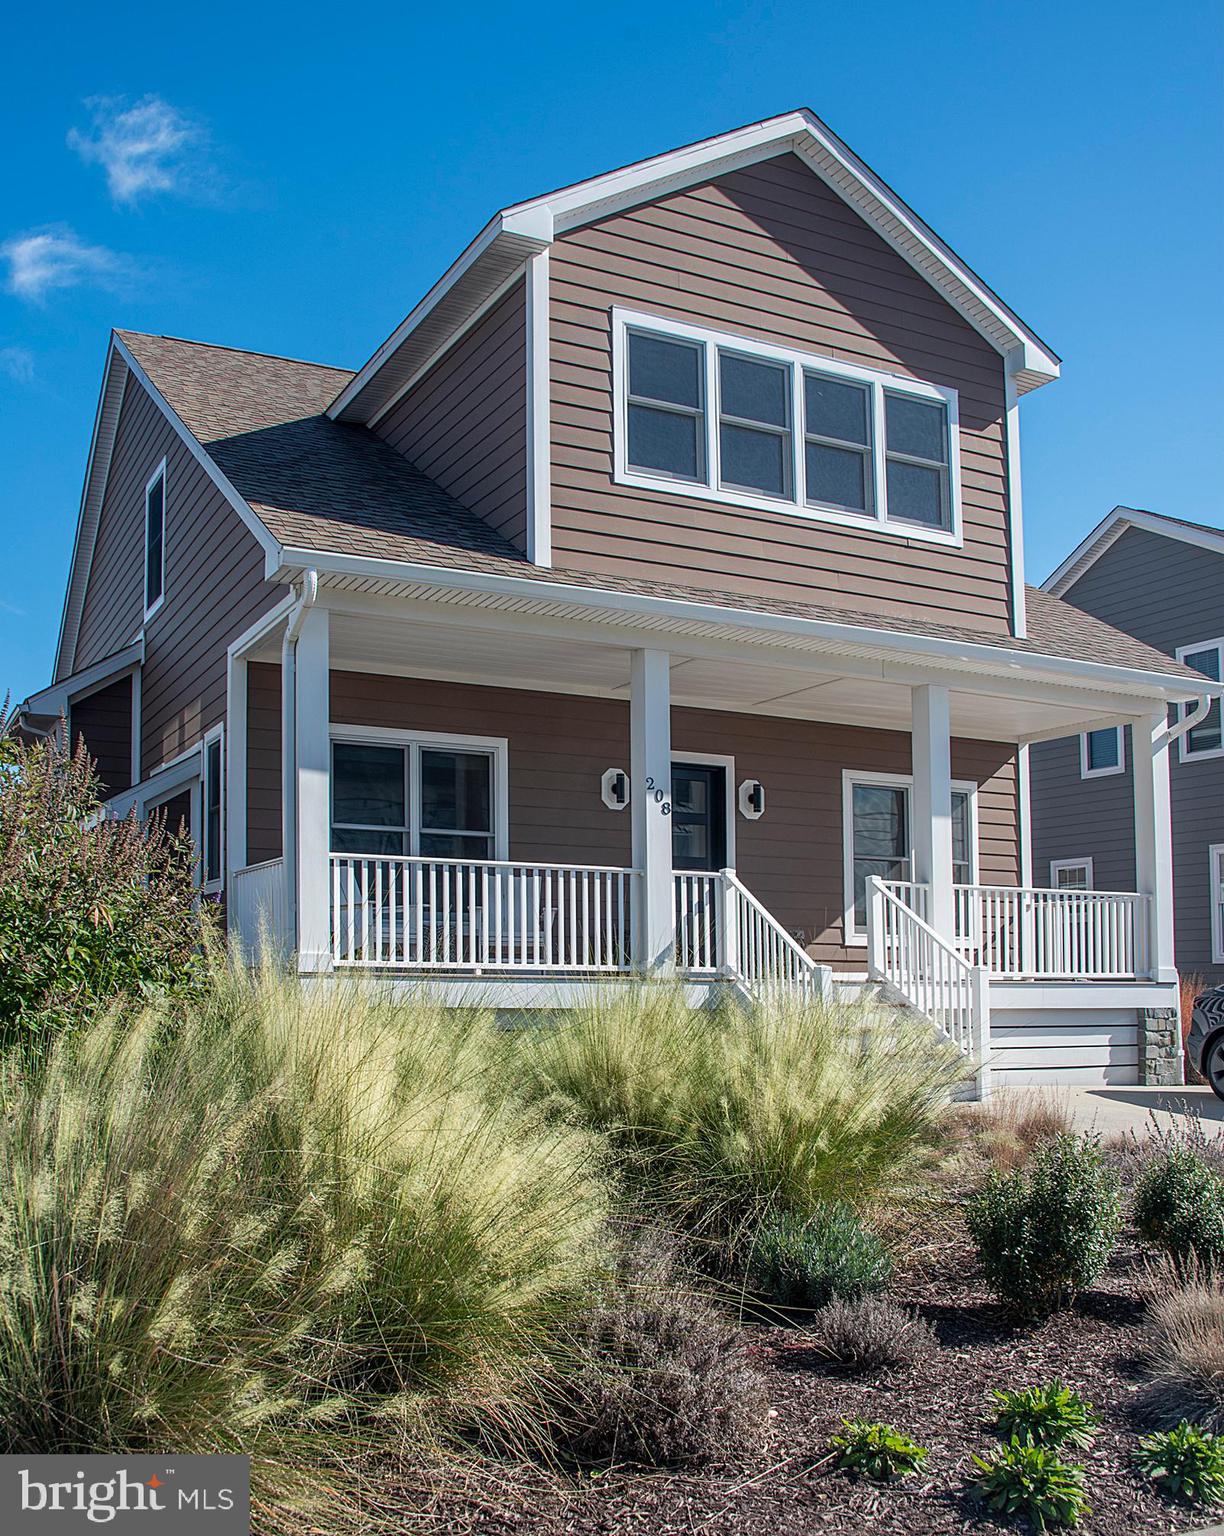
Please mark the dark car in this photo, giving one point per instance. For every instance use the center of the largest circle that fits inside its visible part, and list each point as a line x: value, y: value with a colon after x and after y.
x: 1205, y: 1042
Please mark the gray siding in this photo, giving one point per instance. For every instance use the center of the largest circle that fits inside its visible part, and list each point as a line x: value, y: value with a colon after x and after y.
x: 768, y: 252
x: 465, y: 423
x: 1168, y: 594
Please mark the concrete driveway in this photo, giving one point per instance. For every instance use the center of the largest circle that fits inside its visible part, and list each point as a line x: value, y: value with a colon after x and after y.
x: 1112, y: 1110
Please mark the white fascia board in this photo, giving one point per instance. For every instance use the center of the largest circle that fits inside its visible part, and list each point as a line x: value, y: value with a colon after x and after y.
x: 259, y: 529
x: 1111, y: 528
x: 55, y: 699
x: 603, y: 603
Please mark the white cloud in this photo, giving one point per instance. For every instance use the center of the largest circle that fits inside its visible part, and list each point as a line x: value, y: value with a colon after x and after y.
x: 145, y: 147
x: 55, y: 257
x: 17, y: 363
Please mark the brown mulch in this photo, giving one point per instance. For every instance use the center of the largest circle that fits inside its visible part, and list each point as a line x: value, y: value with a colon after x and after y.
x: 787, y: 1487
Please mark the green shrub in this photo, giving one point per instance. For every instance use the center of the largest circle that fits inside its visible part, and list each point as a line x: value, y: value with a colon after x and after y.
x: 871, y: 1334
x: 1045, y: 1232
x: 1048, y: 1415
x: 876, y: 1451
x: 811, y: 1260
x: 1033, y: 1481
x: 277, y: 1216
x: 723, y: 1117
x: 1187, y: 1462
x: 1183, y: 1346
x: 1179, y: 1206
x: 90, y: 909
x: 659, y: 1375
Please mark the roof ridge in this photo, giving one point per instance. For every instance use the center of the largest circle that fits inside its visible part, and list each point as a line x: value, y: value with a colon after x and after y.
x: 218, y: 346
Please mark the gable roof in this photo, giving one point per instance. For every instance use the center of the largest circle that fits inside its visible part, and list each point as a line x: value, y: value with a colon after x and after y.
x: 1111, y: 528
x: 514, y: 234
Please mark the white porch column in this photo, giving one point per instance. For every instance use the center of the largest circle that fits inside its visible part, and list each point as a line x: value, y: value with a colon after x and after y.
x: 1154, y: 837
x: 312, y: 751
x: 932, y: 802
x: 650, y: 804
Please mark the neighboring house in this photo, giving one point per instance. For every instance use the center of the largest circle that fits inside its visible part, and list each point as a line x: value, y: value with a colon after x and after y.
x: 1161, y: 580
x: 652, y: 599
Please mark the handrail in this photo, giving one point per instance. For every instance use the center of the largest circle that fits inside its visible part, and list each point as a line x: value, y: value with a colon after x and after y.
x: 722, y: 929
x: 797, y: 963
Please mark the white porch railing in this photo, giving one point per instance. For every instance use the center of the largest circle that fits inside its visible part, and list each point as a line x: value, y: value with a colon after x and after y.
x: 480, y: 915
x: 930, y: 974
x: 1021, y: 933
x: 258, y: 905
x: 723, y: 930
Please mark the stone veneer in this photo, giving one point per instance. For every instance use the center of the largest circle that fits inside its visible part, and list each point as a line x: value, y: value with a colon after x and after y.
x: 1160, y: 1034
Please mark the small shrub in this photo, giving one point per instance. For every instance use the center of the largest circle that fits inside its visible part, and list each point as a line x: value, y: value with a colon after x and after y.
x: 1183, y: 1347
x: 876, y: 1451
x: 659, y: 1375
x: 1033, y: 1481
x: 1045, y: 1232
x: 870, y: 1334
x: 1049, y: 1415
x: 1187, y: 1462
x: 1179, y: 1205
x: 809, y: 1261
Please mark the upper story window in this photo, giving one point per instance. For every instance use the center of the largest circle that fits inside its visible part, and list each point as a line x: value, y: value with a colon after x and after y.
x: 745, y: 423
x: 155, y: 540
x: 1204, y: 739
x: 1101, y: 753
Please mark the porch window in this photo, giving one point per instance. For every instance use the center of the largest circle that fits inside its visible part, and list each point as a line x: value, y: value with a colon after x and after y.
x: 396, y: 800
x: 880, y: 838
x: 1203, y: 740
x: 1071, y: 874
x: 1101, y: 753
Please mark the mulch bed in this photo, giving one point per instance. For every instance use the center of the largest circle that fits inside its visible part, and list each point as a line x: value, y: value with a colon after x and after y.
x: 787, y: 1487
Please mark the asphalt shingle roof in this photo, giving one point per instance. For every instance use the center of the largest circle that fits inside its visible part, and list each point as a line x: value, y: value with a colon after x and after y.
x: 339, y: 488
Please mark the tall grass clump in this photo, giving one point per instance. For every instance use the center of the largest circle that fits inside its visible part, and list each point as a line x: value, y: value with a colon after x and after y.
x: 276, y: 1222
x: 723, y: 1117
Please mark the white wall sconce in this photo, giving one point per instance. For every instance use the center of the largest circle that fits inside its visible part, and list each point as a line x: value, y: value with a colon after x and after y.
x: 752, y: 799
x: 614, y: 789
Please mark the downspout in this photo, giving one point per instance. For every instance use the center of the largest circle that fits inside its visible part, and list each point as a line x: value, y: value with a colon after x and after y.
x: 289, y: 816
x: 1187, y: 723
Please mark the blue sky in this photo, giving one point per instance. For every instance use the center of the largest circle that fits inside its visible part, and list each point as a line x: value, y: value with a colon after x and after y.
x: 301, y: 184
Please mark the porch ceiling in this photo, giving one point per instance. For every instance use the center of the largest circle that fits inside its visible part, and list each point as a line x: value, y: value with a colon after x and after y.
x: 807, y: 686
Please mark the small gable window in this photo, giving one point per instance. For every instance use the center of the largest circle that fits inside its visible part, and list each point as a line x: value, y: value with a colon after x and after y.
x: 155, y: 540
x: 753, y: 424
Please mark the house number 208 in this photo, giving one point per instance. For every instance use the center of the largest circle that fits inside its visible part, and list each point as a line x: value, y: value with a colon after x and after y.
x: 660, y: 795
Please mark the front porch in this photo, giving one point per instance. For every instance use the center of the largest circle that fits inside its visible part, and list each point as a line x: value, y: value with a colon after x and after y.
x: 508, y: 808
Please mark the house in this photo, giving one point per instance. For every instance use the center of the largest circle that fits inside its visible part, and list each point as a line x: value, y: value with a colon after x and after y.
x: 1161, y: 580
x: 652, y: 599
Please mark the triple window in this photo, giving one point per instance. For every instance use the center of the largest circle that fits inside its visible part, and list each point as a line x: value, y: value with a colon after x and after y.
x: 415, y: 798
x: 733, y: 420
x: 1203, y: 740
x: 155, y: 540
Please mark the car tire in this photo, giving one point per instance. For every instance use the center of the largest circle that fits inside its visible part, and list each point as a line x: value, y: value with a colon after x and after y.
x: 1213, y: 1065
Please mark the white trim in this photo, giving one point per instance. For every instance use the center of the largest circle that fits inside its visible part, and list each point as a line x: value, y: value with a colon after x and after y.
x: 727, y: 764
x: 1057, y: 866
x: 853, y: 938
x: 78, y: 685
x: 209, y: 887
x: 1015, y: 502
x: 539, y: 408
x: 1111, y: 528
x: 1184, y: 752
x: 1102, y: 773
x: 497, y: 747
x: 137, y: 720
x: 1216, y: 875
x: 879, y: 382
x: 151, y: 608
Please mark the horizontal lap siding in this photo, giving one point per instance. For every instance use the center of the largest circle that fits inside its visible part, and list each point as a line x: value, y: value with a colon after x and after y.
x: 1076, y: 818
x: 770, y: 253
x: 559, y: 746
x: 264, y: 830
x: 465, y: 423
x: 104, y: 722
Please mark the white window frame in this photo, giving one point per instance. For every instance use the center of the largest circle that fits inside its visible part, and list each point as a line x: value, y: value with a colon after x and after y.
x: 1184, y: 752
x: 207, y: 886
x: 857, y: 937
x: 880, y: 383
x: 1102, y: 773
x: 158, y: 474
x: 1058, y: 865
x: 1216, y: 876
x: 497, y: 747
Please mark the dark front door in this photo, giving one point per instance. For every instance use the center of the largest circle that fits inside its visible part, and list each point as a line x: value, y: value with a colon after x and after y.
x: 699, y: 816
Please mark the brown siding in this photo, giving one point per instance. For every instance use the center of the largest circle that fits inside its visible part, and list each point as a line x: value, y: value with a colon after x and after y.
x: 264, y: 830
x: 560, y: 745
x: 103, y: 721
x: 215, y: 586
x: 465, y: 423
x: 770, y: 253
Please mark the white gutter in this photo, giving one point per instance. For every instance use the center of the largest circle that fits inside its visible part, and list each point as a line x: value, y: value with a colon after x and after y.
x: 1188, y: 722
x: 289, y: 818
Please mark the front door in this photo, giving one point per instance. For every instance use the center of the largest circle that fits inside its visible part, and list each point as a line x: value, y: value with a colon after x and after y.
x: 699, y: 816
